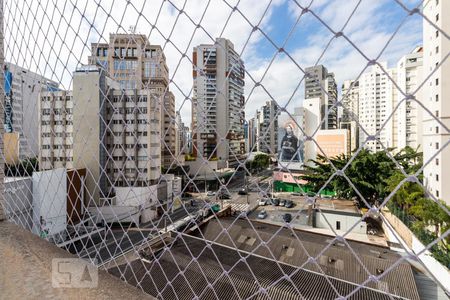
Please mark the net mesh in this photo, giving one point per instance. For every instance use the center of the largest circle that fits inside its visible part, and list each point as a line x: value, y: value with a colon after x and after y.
x: 99, y: 159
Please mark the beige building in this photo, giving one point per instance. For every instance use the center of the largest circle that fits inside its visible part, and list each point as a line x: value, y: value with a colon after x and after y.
x: 55, y: 130
x: 218, y: 103
x: 436, y: 98
x: 115, y: 134
x: 134, y: 63
x: 11, y: 147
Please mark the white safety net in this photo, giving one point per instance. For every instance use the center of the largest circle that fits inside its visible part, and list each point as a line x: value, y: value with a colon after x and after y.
x: 130, y: 139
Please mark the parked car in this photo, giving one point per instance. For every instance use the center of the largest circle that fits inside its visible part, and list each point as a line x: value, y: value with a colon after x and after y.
x: 289, y: 204
x: 282, y: 202
x: 296, y: 194
x: 287, y: 218
x: 224, y: 195
x: 210, y: 193
x: 262, y: 201
x: 262, y: 214
x: 275, y: 202
x: 242, y: 192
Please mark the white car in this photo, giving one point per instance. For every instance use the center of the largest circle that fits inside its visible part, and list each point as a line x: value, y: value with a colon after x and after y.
x: 262, y: 202
x: 262, y: 214
x: 210, y: 193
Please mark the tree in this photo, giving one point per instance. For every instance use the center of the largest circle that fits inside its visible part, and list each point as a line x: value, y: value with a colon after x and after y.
x: 369, y: 172
x: 23, y: 168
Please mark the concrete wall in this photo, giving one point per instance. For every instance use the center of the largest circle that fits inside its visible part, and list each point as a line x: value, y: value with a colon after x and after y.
x: 397, y: 232
x: 18, y: 197
x: 50, y: 202
x: 136, y: 196
x: 346, y: 221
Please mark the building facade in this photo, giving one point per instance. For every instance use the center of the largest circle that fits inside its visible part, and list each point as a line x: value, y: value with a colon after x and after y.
x: 218, y: 103
x: 409, y: 112
x: 350, y: 112
x: 321, y: 84
x: 251, y: 135
x: 22, y: 88
x: 436, y: 94
x: 377, y: 99
x: 267, y: 128
x: 115, y: 134
x: 134, y: 63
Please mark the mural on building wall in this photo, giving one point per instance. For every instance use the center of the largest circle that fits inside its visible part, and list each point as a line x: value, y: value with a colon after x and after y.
x: 291, y: 147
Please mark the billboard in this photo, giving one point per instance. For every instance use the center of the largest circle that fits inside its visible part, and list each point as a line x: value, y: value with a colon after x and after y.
x: 291, y: 146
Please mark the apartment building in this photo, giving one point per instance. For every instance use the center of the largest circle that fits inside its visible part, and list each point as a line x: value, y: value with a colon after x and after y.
x: 350, y: 112
x: 218, y: 103
x: 436, y: 94
x: 168, y: 131
x: 114, y: 133
x: 409, y: 112
x: 251, y: 135
x: 267, y: 128
x: 22, y: 88
x: 321, y: 84
x: 182, y: 136
x: 377, y: 99
x: 55, y: 130
x: 134, y: 63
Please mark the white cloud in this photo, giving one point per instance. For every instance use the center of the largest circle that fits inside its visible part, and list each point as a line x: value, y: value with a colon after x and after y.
x: 55, y: 48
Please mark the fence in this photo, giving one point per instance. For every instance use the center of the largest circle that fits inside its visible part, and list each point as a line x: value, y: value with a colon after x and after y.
x: 129, y: 126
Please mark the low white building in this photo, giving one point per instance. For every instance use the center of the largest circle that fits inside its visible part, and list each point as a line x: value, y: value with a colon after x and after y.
x: 18, y: 196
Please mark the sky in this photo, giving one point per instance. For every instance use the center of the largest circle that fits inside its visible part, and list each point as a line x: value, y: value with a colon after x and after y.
x: 53, y: 37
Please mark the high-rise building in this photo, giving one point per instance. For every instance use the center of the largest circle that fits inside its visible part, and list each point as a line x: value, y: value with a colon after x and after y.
x: 168, y: 131
x: 409, y: 112
x: 218, y: 103
x: 377, y: 99
x: 182, y: 136
x: 436, y: 47
x: 251, y: 135
x: 321, y: 84
x: 134, y: 63
x: 22, y: 88
x: 267, y: 128
x: 350, y: 113
x: 126, y: 122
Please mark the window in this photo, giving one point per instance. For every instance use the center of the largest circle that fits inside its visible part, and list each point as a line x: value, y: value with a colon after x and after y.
x: 338, y: 225
x: 437, y: 81
x: 437, y: 145
x: 437, y: 17
x: 437, y: 49
x: 437, y: 193
x: 437, y: 177
x: 437, y: 33
x: 437, y: 161
x: 437, y: 129
x: 437, y: 98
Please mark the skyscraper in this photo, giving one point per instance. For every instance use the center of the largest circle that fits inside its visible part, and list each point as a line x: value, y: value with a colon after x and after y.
x: 125, y: 121
x: 437, y: 92
x: 350, y: 113
x: 377, y: 99
x: 319, y: 83
x: 218, y: 103
x: 134, y: 63
x: 409, y: 112
x: 267, y: 128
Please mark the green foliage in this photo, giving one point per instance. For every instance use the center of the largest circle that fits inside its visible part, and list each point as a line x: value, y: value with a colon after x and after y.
x: 260, y: 162
x: 23, y: 168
